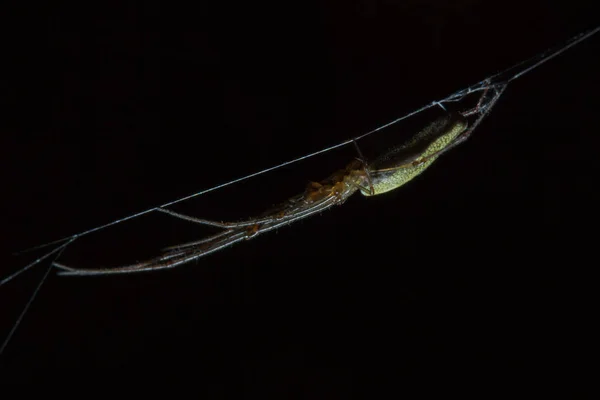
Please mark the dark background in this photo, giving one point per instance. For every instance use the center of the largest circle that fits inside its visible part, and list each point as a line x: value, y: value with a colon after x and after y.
x: 477, y: 268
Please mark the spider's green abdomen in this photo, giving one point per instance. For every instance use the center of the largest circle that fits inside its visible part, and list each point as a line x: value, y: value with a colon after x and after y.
x: 401, y: 164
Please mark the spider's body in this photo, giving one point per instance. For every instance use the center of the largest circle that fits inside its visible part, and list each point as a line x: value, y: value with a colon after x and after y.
x: 388, y: 172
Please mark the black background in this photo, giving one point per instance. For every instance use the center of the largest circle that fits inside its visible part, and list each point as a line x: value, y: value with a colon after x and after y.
x: 477, y: 268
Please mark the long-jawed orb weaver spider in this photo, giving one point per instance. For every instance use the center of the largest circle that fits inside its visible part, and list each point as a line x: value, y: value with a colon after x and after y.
x: 388, y: 172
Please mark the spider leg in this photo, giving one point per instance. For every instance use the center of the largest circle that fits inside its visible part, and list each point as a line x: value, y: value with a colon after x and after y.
x: 169, y: 260
x: 482, y: 110
x: 363, y: 160
x: 244, y: 234
x: 192, y: 251
x: 197, y: 242
x: 478, y: 107
x: 264, y: 224
x: 213, y: 223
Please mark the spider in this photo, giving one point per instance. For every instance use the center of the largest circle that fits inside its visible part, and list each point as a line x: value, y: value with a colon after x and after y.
x: 388, y: 172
